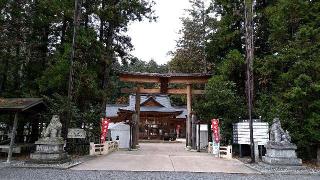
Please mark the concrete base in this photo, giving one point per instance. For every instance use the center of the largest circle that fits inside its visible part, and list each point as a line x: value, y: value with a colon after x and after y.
x: 49, y: 157
x: 49, y: 152
x: 282, y: 161
x: 278, y: 154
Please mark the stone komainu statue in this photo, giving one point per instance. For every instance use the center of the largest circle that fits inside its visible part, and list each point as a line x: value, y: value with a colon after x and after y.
x: 277, y: 134
x: 279, y: 149
x: 53, y: 130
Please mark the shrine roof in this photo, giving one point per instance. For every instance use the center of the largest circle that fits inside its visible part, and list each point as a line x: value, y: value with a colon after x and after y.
x: 153, y: 109
x: 164, y: 106
x: 184, y: 111
x: 18, y: 104
x: 113, y: 109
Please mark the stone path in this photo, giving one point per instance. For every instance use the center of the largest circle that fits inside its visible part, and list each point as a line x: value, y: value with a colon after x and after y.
x: 164, y: 157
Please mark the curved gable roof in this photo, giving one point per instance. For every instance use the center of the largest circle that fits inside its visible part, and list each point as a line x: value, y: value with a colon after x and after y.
x: 151, y: 102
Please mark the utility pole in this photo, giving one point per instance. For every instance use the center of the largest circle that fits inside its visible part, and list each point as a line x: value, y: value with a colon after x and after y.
x: 249, y: 65
x: 71, y: 73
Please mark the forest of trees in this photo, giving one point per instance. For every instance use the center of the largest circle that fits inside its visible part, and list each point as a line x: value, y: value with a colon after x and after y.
x: 286, y: 64
x: 36, y: 45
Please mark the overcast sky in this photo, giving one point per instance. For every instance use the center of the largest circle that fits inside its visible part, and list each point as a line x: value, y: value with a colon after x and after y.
x: 154, y: 40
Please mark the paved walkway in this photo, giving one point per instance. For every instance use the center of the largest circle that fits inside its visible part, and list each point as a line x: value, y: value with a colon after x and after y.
x: 163, y: 157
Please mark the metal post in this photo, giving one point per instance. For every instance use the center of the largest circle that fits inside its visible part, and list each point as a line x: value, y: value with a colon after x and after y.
x: 198, y: 136
x: 240, y: 151
x: 13, y: 135
x: 194, y: 131
x: 256, y: 151
x: 130, y: 136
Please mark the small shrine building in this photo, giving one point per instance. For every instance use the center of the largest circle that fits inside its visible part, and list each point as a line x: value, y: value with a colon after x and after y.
x: 158, y: 118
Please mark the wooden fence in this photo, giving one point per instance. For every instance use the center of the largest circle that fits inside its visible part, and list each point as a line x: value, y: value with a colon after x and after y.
x: 226, y: 152
x: 105, y: 148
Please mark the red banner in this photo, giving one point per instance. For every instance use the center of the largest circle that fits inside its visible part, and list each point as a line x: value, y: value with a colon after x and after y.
x: 104, y: 129
x: 215, y: 130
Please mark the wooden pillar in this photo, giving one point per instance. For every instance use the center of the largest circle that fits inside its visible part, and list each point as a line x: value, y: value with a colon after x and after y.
x: 13, y: 135
x: 137, y: 109
x: 189, y: 109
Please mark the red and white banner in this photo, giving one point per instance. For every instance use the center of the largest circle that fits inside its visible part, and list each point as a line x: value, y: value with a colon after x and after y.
x: 215, y: 130
x: 104, y: 129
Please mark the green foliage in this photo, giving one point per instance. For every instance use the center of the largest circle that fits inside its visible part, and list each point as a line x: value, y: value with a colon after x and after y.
x: 286, y: 66
x: 142, y: 66
x: 35, y: 52
x: 54, y: 78
x: 221, y: 101
x: 189, y: 55
x: 289, y: 77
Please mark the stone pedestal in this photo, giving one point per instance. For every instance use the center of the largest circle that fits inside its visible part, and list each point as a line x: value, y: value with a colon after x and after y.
x: 49, y: 151
x: 281, y: 154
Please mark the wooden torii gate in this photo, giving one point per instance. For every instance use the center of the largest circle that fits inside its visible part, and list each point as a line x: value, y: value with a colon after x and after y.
x: 164, y: 80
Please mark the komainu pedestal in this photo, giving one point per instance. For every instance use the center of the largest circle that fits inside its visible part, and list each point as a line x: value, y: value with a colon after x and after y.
x: 49, y: 149
x: 281, y: 155
x: 280, y: 150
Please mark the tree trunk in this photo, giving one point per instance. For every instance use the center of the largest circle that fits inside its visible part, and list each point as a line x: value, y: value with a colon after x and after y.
x: 107, y: 63
x: 249, y: 70
x: 105, y: 80
x: 5, y: 74
x: 63, y: 30
x: 101, y: 32
x: 71, y: 74
x: 318, y: 155
x: 18, y: 76
x: 44, y: 46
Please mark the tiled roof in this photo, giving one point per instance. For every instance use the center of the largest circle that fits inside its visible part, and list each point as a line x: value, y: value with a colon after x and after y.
x: 19, y: 104
x: 164, y: 100
x: 153, y: 109
x: 113, y: 109
x: 184, y: 111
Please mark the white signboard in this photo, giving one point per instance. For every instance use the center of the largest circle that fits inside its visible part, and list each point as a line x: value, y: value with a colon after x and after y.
x: 216, y: 149
x: 74, y: 133
x: 203, y: 135
x: 241, y: 133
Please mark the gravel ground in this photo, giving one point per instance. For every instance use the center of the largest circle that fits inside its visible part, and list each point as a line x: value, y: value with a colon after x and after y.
x: 26, y: 164
x: 267, y: 169
x: 55, y: 174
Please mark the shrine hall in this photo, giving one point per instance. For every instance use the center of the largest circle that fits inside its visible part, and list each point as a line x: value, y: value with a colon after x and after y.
x: 149, y: 109
x: 158, y: 118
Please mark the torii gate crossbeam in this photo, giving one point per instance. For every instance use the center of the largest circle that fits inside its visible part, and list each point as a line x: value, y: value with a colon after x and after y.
x: 164, y: 80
